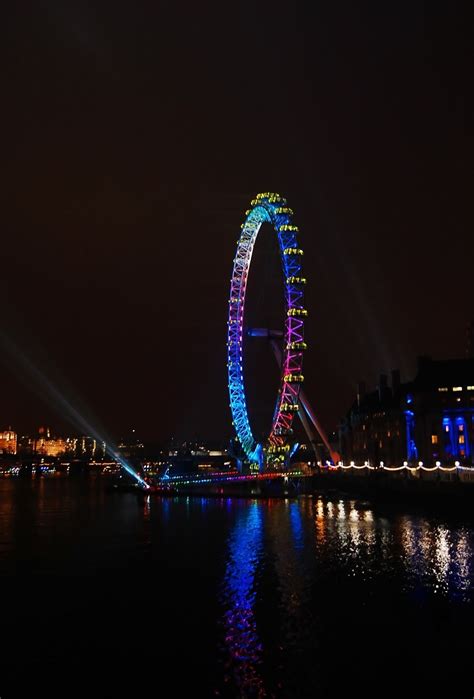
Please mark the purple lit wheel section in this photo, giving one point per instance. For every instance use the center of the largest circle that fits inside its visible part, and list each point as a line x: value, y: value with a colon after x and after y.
x: 271, y: 208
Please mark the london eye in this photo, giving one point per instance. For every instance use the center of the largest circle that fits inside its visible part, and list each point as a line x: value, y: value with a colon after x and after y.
x: 269, y: 208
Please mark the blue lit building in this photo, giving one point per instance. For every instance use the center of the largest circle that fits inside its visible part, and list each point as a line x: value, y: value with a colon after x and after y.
x: 428, y: 419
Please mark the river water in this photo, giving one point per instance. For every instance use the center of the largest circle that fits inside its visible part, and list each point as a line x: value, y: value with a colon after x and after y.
x: 120, y: 595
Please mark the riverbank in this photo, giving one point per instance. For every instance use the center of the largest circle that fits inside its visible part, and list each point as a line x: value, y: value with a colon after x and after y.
x: 427, y: 493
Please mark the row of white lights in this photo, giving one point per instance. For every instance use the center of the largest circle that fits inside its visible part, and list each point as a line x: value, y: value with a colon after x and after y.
x: 420, y: 465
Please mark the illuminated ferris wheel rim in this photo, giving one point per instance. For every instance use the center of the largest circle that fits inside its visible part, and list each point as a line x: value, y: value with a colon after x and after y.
x: 270, y: 208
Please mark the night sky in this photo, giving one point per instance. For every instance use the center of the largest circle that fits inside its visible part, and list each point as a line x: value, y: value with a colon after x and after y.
x: 136, y: 133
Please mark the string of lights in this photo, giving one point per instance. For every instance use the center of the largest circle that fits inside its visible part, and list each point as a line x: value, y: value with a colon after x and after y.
x: 406, y: 466
x: 236, y: 477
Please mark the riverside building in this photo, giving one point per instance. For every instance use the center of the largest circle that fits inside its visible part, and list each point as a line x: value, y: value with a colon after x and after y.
x: 428, y: 419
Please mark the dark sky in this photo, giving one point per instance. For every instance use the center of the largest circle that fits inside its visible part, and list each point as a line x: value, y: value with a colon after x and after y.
x: 135, y: 134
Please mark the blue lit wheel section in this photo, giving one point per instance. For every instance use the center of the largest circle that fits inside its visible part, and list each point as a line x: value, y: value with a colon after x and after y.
x: 268, y: 208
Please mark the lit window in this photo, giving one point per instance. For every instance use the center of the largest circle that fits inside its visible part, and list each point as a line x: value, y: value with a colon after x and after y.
x: 457, y: 388
x: 461, y: 439
x: 380, y: 444
x: 442, y: 389
x: 470, y: 388
x: 447, y: 428
x: 434, y: 439
x: 461, y: 428
x: 388, y: 433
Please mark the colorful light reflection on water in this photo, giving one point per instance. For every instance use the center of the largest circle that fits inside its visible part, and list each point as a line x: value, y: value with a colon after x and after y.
x: 315, y: 547
x: 233, y: 598
x: 240, y: 585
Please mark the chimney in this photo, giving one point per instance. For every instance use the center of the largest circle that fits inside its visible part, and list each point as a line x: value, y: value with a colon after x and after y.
x: 361, y: 391
x: 395, y: 380
x: 382, y: 386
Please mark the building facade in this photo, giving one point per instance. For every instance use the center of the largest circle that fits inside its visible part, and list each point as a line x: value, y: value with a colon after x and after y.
x: 78, y: 447
x: 428, y: 419
x: 46, y: 445
x: 8, y: 442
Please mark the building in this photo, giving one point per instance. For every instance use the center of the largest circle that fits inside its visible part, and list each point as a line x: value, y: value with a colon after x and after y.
x: 8, y: 442
x: 428, y: 419
x: 26, y: 445
x: 87, y: 447
x: 45, y: 445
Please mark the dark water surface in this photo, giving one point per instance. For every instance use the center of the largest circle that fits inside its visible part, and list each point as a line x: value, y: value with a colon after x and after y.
x: 111, y: 595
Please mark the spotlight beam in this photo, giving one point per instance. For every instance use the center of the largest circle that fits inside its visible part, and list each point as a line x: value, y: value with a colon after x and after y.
x: 48, y: 391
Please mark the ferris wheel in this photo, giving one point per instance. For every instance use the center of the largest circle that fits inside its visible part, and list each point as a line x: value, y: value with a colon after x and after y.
x: 268, y: 208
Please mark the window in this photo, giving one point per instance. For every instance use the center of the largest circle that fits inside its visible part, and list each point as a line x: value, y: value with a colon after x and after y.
x: 461, y: 439
x: 457, y: 388
x: 447, y: 428
x: 470, y: 388
x: 461, y: 428
x: 434, y: 439
x: 442, y: 389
